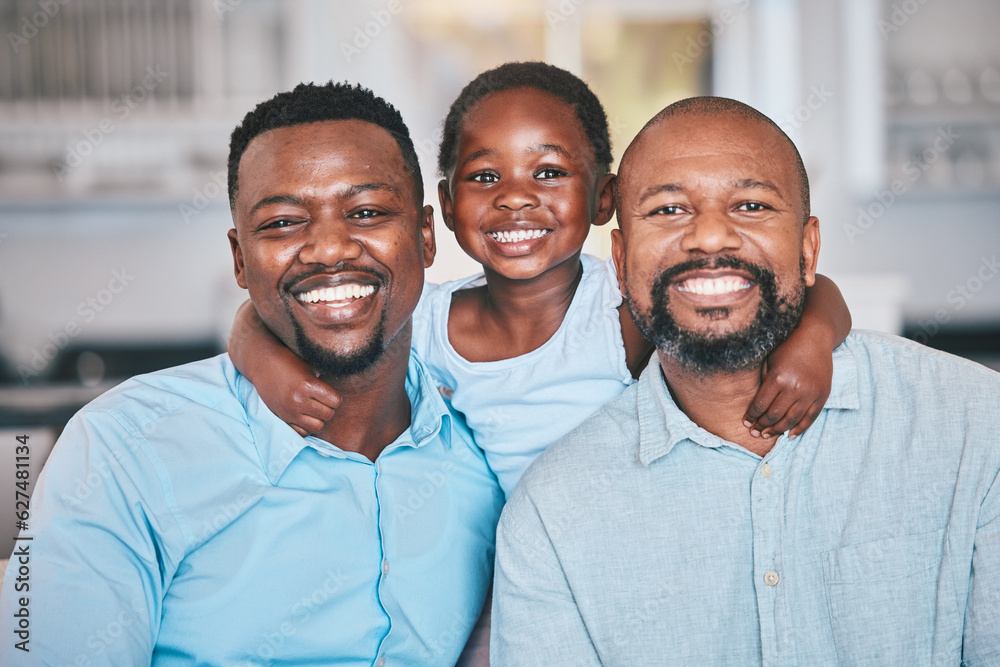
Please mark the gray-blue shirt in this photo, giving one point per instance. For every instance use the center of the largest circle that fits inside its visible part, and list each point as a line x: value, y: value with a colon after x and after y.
x: 872, y: 539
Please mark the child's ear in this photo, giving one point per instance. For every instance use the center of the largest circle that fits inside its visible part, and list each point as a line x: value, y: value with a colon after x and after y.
x: 444, y: 196
x: 605, y: 200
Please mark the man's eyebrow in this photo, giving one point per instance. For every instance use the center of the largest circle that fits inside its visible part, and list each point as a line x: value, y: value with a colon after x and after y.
x: 752, y: 183
x: 346, y: 193
x: 276, y: 199
x: 654, y: 190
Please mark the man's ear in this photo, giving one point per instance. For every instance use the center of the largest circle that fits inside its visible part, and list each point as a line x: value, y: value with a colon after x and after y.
x: 238, y: 267
x: 444, y: 197
x: 427, y: 232
x: 605, y: 200
x: 618, y: 256
x: 810, y: 249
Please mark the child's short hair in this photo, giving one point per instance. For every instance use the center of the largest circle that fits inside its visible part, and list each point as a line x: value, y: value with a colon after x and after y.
x: 311, y: 103
x: 541, y: 76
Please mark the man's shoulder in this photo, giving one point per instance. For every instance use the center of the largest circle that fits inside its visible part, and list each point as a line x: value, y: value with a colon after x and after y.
x: 882, y: 356
x: 206, y: 385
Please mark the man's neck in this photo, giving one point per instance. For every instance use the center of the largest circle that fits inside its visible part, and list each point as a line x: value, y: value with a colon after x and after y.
x: 717, y: 402
x: 374, y: 407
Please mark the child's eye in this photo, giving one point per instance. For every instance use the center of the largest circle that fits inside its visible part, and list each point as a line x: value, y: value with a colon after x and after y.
x: 550, y: 172
x: 484, y: 177
x: 752, y: 207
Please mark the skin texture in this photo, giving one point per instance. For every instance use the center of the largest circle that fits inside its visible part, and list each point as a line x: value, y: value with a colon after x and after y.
x: 523, y: 163
x: 697, y: 186
x: 328, y: 203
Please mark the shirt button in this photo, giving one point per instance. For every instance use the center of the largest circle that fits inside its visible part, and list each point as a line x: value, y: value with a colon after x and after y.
x: 765, y: 470
x: 385, y: 566
x: 771, y: 578
x: 380, y: 662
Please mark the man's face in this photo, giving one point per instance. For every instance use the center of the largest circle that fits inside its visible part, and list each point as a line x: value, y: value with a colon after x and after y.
x: 712, y: 249
x: 330, y: 240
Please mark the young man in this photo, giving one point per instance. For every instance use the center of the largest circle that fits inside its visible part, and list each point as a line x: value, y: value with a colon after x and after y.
x: 178, y: 521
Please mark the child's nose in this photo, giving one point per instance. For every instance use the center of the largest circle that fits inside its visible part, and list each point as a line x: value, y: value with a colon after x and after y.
x: 515, y: 194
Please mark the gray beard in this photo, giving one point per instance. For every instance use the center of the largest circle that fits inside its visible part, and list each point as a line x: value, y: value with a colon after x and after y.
x: 777, y: 316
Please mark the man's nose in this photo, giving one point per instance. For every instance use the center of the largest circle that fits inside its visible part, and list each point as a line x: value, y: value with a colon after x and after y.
x: 329, y: 241
x: 711, y: 232
x: 515, y: 193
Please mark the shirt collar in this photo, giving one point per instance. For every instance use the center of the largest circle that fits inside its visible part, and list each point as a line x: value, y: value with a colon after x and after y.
x: 278, y: 445
x: 662, y: 424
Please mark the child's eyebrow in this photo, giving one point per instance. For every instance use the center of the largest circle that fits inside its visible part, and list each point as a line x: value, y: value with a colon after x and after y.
x: 550, y: 148
x: 475, y: 155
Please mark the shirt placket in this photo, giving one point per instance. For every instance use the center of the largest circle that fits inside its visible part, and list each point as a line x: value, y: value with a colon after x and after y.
x: 384, y: 566
x: 767, y: 508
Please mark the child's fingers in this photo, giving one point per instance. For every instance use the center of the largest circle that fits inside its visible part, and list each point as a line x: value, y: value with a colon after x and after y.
x: 308, y: 424
x: 811, y: 415
x: 299, y: 430
x: 761, y: 404
x: 320, y: 391
x: 319, y: 410
x: 791, y: 416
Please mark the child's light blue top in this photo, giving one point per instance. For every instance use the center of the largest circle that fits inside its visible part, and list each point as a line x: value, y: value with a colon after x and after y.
x: 518, y: 407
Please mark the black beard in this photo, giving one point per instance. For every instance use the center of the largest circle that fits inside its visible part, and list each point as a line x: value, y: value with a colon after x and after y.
x: 704, y: 354
x: 326, y: 362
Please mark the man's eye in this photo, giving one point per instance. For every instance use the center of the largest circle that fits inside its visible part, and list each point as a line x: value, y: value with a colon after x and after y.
x: 670, y: 209
x: 484, y: 177
x: 281, y: 223
x: 365, y: 213
x: 752, y: 207
x: 550, y: 172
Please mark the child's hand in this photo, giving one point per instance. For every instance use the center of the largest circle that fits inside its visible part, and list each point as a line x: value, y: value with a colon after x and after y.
x: 304, y: 402
x: 795, y: 383
x: 286, y: 383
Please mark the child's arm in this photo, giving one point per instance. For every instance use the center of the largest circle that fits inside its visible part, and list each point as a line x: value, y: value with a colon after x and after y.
x: 286, y: 384
x: 795, y: 381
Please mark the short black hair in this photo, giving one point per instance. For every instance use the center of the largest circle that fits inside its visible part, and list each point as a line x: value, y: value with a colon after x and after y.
x: 713, y: 107
x: 309, y: 103
x: 540, y: 76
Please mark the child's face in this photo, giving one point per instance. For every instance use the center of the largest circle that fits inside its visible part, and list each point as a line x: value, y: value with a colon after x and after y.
x: 524, y: 191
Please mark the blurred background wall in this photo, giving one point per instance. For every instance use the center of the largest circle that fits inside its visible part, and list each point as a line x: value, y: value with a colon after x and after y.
x: 115, y: 117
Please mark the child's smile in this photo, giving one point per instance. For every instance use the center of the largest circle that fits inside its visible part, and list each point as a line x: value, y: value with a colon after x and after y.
x: 523, y: 193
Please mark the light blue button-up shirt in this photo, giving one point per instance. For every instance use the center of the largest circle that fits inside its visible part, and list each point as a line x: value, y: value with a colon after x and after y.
x: 873, y: 539
x: 179, y: 521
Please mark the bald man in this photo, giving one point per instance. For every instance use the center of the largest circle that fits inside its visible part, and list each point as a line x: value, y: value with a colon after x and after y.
x: 661, y: 532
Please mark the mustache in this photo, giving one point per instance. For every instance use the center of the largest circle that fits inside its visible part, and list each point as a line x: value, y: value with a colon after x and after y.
x: 290, y: 284
x: 758, y: 273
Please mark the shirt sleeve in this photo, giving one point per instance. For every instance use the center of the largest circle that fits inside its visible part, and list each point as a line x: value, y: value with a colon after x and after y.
x: 981, y: 644
x: 97, y: 562
x: 535, y: 618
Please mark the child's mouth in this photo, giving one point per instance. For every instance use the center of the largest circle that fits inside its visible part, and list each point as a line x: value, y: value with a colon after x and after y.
x: 518, y: 235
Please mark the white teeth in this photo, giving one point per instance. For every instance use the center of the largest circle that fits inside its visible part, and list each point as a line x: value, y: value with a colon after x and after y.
x: 337, y: 293
x: 519, y: 235
x: 711, y: 286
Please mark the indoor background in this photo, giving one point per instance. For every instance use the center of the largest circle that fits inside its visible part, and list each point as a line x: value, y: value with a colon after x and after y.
x: 115, y: 117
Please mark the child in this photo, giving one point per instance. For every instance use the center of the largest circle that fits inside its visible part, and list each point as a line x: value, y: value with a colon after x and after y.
x: 541, y: 339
